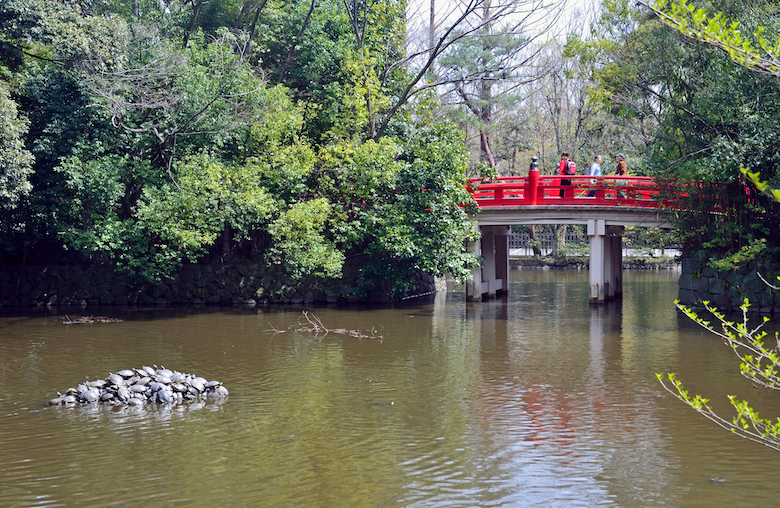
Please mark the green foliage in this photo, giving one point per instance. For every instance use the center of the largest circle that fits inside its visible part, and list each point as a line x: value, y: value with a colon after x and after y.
x: 722, y: 33
x: 400, y: 203
x: 208, y: 199
x: 15, y: 160
x: 300, y: 241
x: 425, y: 227
x: 747, y: 254
x: 157, y: 139
x: 710, y: 121
x: 758, y: 362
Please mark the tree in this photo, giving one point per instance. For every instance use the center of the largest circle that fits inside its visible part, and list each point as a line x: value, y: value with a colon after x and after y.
x: 157, y: 140
x: 706, y: 118
x: 15, y: 160
x: 720, y: 32
x: 759, y: 362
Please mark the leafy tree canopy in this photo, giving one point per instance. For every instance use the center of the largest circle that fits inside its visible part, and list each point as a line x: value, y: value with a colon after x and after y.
x: 149, y: 133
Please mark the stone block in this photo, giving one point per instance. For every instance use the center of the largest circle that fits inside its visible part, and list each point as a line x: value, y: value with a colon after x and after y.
x: 721, y: 302
x: 716, y: 286
x: 708, y: 271
x: 690, y: 265
x: 686, y: 296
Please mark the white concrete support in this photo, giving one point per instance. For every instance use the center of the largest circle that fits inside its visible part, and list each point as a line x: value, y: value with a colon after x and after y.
x: 489, y: 265
x: 501, y: 245
x: 616, y: 234
x: 491, y: 277
x: 609, y: 266
x: 474, y: 285
x: 597, y: 230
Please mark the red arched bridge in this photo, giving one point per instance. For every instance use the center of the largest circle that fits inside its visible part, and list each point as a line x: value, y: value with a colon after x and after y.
x: 605, y: 204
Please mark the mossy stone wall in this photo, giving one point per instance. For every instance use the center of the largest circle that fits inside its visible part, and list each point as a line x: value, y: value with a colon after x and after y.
x: 230, y: 283
x: 728, y: 290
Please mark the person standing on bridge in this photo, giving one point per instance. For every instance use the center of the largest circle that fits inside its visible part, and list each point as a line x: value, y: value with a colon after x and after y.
x: 594, y: 170
x: 566, y: 167
x: 622, y: 170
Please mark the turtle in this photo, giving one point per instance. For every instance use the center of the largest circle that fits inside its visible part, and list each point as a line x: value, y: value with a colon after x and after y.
x: 165, y: 372
x: 82, y: 389
x: 123, y: 393
x: 198, y: 384
x: 91, y: 395
x: 219, y: 391
x: 164, y: 396
x: 126, y: 373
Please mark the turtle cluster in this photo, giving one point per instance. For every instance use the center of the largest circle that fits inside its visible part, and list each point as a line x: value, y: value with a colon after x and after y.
x: 138, y: 386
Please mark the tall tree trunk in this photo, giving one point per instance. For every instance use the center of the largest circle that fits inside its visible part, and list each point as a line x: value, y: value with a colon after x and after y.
x: 432, y: 27
x: 291, y: 53
x: 195, y: 11
x: 486, y: 154
x: 535, y: 245
x: 558, y: 240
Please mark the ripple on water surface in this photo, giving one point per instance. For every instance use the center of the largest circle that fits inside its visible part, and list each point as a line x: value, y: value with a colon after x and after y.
x: 535, y: 400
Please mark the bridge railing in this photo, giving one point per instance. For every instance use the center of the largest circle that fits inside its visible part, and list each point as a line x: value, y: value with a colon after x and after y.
x: 634, y: 191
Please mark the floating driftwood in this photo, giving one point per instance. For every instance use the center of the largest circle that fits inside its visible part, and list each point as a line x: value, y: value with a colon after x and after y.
x: 314, y: 325
x: 88, y: 320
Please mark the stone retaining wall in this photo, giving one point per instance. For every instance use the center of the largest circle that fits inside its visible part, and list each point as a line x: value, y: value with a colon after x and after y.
x: 231, y: 283
x: 727, y: 290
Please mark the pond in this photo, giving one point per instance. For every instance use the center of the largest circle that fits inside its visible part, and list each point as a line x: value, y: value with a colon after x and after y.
x: 534, y: 399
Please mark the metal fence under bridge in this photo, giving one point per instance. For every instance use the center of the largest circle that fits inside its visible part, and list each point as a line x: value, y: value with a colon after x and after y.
x: 519, y: 243
x: 520, y: 246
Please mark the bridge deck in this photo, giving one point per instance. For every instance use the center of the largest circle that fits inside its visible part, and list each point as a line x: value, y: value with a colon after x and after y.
x: 572, y: 214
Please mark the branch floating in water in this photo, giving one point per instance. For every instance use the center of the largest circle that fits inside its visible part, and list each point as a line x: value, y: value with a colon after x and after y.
x: 315, y: 326
x: 87, y: 320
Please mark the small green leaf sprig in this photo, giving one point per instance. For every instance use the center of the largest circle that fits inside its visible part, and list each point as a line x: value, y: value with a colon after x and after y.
x: 758, y: 363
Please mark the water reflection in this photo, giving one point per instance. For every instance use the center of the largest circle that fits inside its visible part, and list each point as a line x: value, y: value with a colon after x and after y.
x: 533, y: 399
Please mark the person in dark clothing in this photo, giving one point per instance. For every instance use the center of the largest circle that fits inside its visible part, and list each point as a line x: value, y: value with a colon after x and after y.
x: 621, y: 170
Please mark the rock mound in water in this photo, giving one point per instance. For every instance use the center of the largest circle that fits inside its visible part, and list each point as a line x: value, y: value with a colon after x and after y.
x: 139, y: 386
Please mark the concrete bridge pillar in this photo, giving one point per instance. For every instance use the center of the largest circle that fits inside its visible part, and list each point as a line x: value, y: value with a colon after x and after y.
x: 492, y: 276
x: 615, y: 234
x: 606, y: 272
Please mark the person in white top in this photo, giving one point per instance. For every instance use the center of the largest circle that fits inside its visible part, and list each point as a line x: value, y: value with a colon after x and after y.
x: 594, y: 170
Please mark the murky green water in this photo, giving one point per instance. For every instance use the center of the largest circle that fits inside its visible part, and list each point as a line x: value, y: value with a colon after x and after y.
x: 537, y: 399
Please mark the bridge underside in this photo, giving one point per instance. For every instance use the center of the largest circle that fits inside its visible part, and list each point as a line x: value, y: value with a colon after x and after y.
x: 605, y: 235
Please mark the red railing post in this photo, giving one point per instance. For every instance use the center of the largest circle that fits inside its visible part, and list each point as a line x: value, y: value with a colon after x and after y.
x: 532, y: 186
